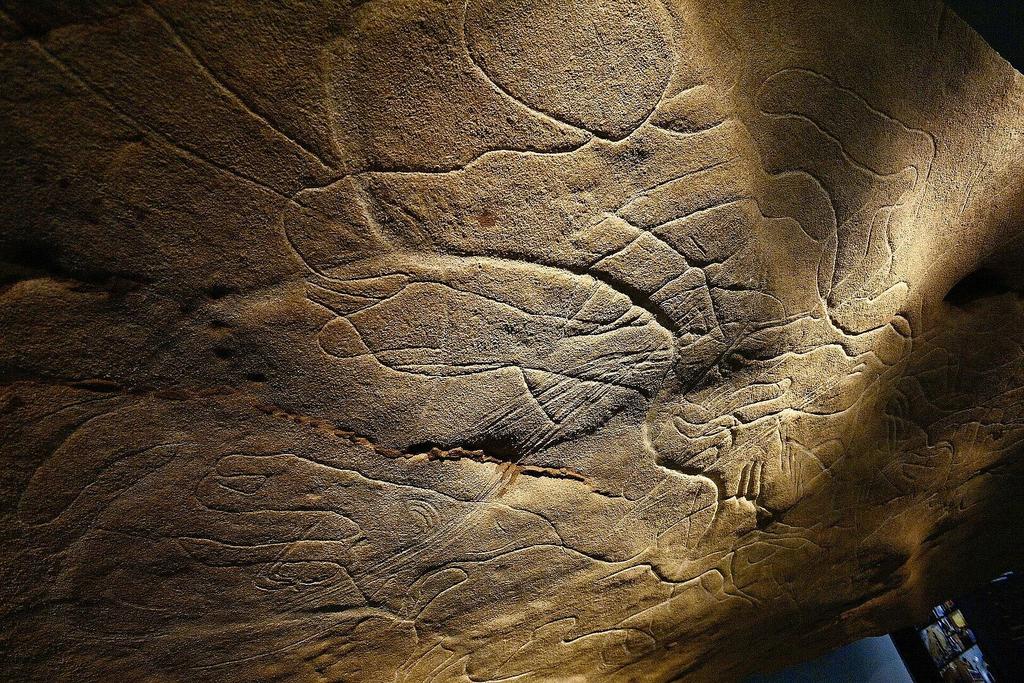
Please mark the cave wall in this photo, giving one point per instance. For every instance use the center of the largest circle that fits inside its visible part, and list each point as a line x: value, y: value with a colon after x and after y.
x: 492, y: 340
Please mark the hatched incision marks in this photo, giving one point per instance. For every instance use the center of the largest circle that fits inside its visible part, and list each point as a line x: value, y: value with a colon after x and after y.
x: 578, y: 349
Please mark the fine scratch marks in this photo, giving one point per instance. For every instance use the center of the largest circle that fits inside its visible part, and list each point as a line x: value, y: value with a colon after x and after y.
x: 178, y: 148
x: 225, y: 88
x: 970, y: 190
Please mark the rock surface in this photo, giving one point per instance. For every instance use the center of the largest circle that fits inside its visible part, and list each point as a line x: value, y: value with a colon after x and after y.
x: 499, y: 340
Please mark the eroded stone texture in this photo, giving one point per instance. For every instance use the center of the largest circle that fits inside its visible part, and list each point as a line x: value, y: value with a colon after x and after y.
x: 415, y: 340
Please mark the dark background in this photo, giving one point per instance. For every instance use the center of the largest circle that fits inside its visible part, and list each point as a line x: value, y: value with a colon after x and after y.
x: 1000, y: 22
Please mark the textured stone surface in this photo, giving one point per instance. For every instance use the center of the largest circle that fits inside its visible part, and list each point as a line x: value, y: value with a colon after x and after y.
x: 499, y: 340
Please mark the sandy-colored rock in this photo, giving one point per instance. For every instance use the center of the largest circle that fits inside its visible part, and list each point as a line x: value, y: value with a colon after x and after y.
x: 499, y: 340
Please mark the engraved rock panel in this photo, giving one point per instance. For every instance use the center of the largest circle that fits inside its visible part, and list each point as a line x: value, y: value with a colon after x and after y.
x: 447, y: 340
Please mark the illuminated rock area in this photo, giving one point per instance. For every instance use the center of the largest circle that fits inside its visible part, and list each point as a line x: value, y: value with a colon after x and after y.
x: 499, y: 340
